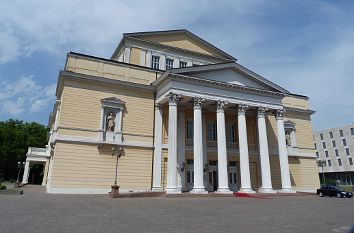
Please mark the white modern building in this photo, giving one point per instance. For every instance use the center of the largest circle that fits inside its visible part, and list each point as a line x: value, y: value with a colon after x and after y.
x: 335, y: 147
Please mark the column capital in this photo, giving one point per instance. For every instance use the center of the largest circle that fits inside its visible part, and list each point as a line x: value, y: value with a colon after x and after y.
x: 221, y: 105
x: 173, y: 98
x: 241, y: 109
x: 261, y: 111
x: 280, y: 114
x: 198, y: 102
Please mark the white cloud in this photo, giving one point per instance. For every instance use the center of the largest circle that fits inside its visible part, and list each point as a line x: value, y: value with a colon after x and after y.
x: 25, y: 95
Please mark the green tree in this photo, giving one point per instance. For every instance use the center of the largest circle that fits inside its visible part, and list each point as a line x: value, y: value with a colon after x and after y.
x: 15, y: 138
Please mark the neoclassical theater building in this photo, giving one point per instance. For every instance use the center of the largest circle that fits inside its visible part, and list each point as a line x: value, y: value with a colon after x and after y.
x: 184, y: 115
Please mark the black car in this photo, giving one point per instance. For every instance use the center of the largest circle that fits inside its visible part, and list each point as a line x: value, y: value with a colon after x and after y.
x: 333, y: 191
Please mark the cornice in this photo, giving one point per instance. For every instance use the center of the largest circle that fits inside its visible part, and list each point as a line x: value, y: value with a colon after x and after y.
x: 299, y: 110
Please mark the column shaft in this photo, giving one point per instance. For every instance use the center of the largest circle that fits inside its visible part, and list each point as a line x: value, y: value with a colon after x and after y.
x: 172, y: 145
x: 223, y: 185
x: 263, y: 152
x: 283, y: 154
x: 156, y: 180
x: 181, y: 150
x: 198, y: 147
x: 26, y: 173
x: 244, y: 160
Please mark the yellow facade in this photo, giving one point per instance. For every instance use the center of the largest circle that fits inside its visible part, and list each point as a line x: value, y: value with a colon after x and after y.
x: 81, y: 162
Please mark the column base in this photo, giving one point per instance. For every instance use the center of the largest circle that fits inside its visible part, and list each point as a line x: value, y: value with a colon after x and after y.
x: 266, y: 190
x: 286, y: 190
x: 246, y: 190
x: 199, y: 191
x: 157, y: 189
x: 224, y: 191
x: 173, y: 191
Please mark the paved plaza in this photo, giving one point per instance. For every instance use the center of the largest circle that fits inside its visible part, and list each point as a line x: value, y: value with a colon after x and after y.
x: 36, y: 211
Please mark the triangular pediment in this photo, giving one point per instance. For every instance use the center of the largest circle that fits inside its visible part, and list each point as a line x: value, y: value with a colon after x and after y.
x: 182, y: 39
x: 231, y: 73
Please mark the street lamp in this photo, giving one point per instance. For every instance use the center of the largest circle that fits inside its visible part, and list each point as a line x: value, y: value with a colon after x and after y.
x: 117, y: 151
x: 321, y: 164
x: 19, y: 166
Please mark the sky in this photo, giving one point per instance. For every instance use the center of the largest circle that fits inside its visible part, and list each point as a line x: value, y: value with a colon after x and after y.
x: 307, y: 47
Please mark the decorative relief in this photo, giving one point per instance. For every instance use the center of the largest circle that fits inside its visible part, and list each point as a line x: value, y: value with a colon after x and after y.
x: 198, y: 102
x: 241, y: 109
x: 173, y: 98
x: 110, y: 121
x: 280, y: 114
x: 262, y: 111
x: 221, y: 105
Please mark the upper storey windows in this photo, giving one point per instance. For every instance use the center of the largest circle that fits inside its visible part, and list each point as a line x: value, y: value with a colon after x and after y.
x: 155, y: 62
x: 182, y: 64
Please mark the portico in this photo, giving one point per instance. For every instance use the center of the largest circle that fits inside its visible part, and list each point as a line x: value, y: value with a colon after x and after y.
x: 181, y: 92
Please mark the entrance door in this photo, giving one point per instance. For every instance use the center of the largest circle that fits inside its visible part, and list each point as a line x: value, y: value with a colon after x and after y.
x: 189, y: 178
x: 233, y: 176
x: 212, y: 178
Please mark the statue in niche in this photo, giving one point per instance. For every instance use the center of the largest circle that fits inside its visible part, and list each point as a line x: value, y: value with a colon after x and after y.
x: 110, y: 122
x: 287, y: 138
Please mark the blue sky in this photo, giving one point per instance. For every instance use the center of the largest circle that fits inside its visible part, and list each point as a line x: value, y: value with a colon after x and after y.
x: 306, y: 47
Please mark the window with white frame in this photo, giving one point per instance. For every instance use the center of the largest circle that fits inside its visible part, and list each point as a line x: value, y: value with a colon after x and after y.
x: 341, y: 133
x: 344, y: 142
x: 182, y: 64
x: 347, y: 151
x: 350, y: 161
x: 334, y: 143
x: 324, y: 145
x: 212, y: 131
x: 111, y: 119
x: 290, y: 133
x: 155, y: 62
x: 352, y: 131
x: 189, y: 129
x: 169, y: 63
x: 339, y: 162
x: 232, y: 133
x: 321, y: 136
x: 327, y: 155
x: 337, y: 153
x: 330, y: 134
x: 329, y: 163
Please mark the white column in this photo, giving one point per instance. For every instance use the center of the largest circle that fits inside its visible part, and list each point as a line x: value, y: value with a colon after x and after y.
x: 163, y: 62
x: 263, y: 152
x: 148, y: 59
x: 45, y: 173
x: 181, y: 149
x: 156, y: 176
x: 176, y: 63
x: 172, y: 144
x: 198, y: 147
x: 283, y: 153
x: 222, y: 152
x: 205, y: 153
x: 26, y: 173
x: 244, y: 160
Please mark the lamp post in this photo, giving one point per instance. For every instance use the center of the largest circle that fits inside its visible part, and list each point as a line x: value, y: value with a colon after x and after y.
x: 321, y: 164
x: 19, y: 166
x: 116, y: 151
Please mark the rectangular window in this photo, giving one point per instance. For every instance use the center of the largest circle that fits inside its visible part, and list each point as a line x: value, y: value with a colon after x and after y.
x: 155, y: 62
x: 315, y: 145
x: 330, y: 134
x: 350, y: 161
x: 339, y: 162
x: 327, y: 155
x: 341, y: 133
x: 344, y: 142
x: 334, y: 143
x: 212, y: 131
x: 169, y: 63
x: 352, y: 131
x: 317, y: 155
x: 232, y: 135
x: 329, y: 163
x: 182, y: 64
x: 321, y: 136
x: 336, y: 151
x: 324, y: 145
x: 190, y: 129
x: 347, y: 151
x: 232, y: 163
